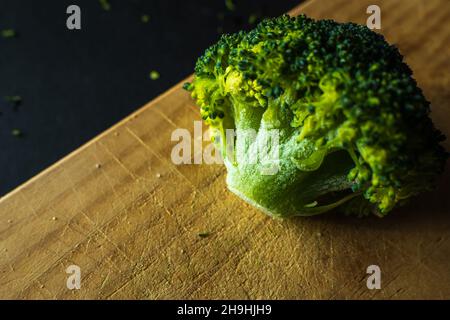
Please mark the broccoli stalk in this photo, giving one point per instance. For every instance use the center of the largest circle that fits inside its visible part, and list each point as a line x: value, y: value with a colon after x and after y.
x: 353, y: 129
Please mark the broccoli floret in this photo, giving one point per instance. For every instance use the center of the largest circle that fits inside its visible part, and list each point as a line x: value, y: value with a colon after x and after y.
x: 353, y: 126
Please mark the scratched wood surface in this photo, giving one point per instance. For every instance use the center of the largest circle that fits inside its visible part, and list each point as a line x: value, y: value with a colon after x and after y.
x: 132, y: 223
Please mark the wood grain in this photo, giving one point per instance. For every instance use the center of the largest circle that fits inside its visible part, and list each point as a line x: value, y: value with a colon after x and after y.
x: 132, y: 223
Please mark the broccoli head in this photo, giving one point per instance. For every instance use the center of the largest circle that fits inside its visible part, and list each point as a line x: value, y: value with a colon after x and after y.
x: 353, y: 127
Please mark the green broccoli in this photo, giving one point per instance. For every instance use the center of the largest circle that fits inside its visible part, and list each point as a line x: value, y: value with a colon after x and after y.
x: 354, y: 127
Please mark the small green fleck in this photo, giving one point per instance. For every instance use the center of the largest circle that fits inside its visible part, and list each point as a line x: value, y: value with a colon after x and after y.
x: 105, y: 5
x: 230, y: 5
x: 154, y: 75
x: 8, y: 33
x: 221, y: 16
x: 16, y: 133
x: 219, y: 30
x: 204, y: 234
x: 187, y: 86
x: 145, y: 18
x: 14, y: 100
x: 253, y: 18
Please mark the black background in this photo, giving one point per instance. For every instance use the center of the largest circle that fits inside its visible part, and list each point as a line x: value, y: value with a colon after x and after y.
x: 75, y: 84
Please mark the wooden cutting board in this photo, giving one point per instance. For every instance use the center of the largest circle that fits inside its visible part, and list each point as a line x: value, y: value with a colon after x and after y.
x: 132, y: 222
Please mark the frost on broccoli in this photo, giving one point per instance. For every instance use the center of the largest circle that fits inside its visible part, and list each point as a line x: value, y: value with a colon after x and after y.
x: 354, y: 127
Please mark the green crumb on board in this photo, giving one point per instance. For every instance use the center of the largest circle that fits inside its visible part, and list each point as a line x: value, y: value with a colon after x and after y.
x: 145, y: 18
x: 204, y: 234
x: 16, y: 133
x: 154, y: 75
x: 8, y: 33
x: 187, y: 86
x: 105, y: 5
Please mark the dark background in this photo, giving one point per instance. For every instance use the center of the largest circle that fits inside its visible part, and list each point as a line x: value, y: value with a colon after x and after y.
x: 76, y: 84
